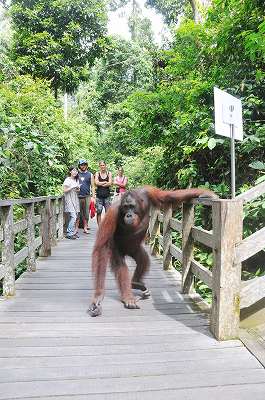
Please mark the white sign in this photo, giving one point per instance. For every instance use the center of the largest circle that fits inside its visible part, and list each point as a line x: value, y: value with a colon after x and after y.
x: 227, y: 111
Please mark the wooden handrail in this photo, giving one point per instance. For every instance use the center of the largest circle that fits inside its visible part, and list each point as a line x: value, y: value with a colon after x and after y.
x: 12, y: 202
x: 252, y: 193
x: 50, y: 220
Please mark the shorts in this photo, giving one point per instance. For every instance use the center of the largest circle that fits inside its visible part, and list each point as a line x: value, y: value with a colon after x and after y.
x: 84, y: 207
x: 102, y: 203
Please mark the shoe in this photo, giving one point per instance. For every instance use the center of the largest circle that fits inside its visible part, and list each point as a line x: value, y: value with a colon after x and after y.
x: 86, y: 231
x: 70, y: 237
x: 76, y: 235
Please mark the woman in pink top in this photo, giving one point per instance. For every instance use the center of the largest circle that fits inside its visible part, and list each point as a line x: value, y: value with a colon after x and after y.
x: 120, y: 181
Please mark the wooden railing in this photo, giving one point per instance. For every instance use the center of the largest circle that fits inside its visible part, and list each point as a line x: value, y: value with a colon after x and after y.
x: 50, y: 222
x: 252, y: 290
x: 228, y: 248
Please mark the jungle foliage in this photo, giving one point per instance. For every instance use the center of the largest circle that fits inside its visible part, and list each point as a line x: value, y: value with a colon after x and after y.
x: 176, y: 113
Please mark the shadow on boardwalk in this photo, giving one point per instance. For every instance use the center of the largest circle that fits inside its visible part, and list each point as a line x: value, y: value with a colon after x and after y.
x: 51, y: 349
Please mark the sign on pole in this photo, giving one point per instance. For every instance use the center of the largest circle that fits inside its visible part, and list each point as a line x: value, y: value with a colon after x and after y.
x: 228, y: 122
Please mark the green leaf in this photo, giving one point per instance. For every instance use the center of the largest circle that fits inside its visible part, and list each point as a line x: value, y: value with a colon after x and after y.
x: 211, y: 143
x: 257, y: 165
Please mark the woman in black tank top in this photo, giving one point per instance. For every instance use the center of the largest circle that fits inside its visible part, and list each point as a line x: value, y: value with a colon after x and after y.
x: 103, y: 182
x: 103, y: 191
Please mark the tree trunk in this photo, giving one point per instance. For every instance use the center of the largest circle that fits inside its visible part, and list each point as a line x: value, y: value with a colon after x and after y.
x: 65, y: 106
x: 197, y: 8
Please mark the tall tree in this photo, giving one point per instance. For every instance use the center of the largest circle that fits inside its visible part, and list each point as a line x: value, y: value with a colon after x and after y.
x: 172, y: 9
x: 55, y: 39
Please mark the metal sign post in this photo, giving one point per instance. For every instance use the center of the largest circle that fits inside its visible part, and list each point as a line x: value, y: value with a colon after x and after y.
x: 228, y: 122
x: 233, y: 162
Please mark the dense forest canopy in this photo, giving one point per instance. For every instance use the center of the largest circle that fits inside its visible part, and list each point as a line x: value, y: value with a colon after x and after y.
x: 134, y: 103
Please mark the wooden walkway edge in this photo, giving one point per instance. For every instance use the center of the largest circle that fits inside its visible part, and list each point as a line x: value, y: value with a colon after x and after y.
x: 51, y: 349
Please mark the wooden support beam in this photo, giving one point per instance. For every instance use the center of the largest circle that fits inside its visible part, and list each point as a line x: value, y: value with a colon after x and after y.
x: 187, y: 247
x: 31, y: 259
x: 45, y: 249
x: 53, y: 223
x: 154, y: 230
x: 227, y: 232
x: 167, y: 240
x: 8, y: 251
x: 60, y: 219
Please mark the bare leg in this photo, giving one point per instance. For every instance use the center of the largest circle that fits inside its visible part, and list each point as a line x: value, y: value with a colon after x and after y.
x: 77, y: 225
x: 142, y: 266
x: 98, y: 218
x: 85, y: 225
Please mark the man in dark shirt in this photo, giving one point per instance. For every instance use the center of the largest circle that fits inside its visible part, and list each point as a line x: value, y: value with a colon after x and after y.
x: 86, y: 181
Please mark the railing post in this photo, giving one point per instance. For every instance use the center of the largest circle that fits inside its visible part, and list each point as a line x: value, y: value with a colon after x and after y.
x: 167, y: 239
x: 60, y: 218
x: 53, y: 223
x: 227, y: 232
x: 154, y: 230
x: 8, y: 251
x: 31, y: 259
x: 187, y: 247
x: 45, y: 249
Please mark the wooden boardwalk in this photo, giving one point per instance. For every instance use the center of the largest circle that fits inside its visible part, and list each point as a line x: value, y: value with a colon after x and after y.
x: 51, y: 349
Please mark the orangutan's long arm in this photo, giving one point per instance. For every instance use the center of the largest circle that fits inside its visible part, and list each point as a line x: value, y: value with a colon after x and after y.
x: 163, y: 197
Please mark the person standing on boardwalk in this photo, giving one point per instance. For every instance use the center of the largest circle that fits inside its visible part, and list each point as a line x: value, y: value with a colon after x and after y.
x: 120, y: 181
x: 103, y: 182
x: 87, y: 185
x: 71, y: 203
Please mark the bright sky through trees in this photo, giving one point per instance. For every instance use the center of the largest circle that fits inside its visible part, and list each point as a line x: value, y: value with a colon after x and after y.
x: 118, y: 21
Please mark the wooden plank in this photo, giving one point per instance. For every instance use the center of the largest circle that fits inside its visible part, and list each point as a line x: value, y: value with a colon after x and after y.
x: 252, y: 291
x: 143, y: 342
x: 12, y: 202
x: 204, y: 200
x: 37, y: 242
x: 251, y: 245
x: 20, y: 226
x: 202, y: 236
x: 202, y: 273
x: 176, y: 252
x: 235, y: 392
x: 21, y: 255
x: 136, y: 384
x: 5, y: 203
x: 254, y: 343
x: 176, y: 225
x: 180, y: 356
x: 123, y: 371
x: 252, y: 193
